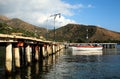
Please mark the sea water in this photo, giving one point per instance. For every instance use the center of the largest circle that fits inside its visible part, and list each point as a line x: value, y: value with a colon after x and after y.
x: 66, y: 65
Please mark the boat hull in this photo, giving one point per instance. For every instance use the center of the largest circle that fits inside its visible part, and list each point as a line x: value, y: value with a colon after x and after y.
x: 92, y: 52
x: 87, y: 48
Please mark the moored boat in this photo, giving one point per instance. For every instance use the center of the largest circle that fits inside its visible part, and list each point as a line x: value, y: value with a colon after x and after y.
x: 87, y: 48
x: 87, y: 52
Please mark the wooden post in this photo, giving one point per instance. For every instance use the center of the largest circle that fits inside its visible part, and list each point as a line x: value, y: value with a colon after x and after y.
x: 53, y: 49
x: 49, y: 50
x: 28, y: 54
x: 56, y: 48
x: 44, y: 51
x: 37, y: 53
x: 17, y: 57
x: 8, y: 61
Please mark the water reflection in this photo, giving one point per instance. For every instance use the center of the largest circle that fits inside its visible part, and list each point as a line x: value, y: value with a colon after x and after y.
x: 82, y: 66
x: 37, y: 70
x: 69, y: 64
x: 112, y: 51
x: 92, y: 52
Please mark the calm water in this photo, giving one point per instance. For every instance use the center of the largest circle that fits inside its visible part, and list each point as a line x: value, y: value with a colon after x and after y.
x: 68, y: 65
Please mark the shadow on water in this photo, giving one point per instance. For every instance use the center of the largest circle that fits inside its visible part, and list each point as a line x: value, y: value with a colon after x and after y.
x: 2, y: 62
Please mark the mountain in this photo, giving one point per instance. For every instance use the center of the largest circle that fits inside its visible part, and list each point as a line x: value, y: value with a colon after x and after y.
x: 69, y: 32
x: 22, y: 26
x: 78, y: 33
x: 3, y: 18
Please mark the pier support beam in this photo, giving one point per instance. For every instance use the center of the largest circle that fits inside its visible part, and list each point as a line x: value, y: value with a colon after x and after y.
x: 36, y: 53
x: 53, y: 49
x: 44, y: 51
x: 17, y: 57
x: 8, y: 61
x: 28, y: 54
x: 49, y: 49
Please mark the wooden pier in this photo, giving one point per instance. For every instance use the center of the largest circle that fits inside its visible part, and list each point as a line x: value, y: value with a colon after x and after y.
x: 24, y: 50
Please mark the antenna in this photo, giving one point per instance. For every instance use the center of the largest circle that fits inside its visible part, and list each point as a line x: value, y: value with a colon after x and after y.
x: 55, y: 15
x: 87, y: 34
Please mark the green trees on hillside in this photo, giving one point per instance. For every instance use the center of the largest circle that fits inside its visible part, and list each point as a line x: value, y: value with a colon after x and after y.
x: 5, y: 29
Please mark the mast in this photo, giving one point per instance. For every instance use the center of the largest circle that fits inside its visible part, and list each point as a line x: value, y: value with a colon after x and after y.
x: 55, y: 15
x: 87, y: 35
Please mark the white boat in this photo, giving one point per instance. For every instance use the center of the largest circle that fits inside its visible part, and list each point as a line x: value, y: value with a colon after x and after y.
x: 87, y: 48
x: 92, y: 52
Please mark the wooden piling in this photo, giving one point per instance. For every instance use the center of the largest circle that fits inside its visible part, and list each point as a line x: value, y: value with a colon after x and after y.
x: 53, y: 48
x: 8, y: 61
x: 17, y: 57
x: 44, y: 51
x: 36, y: 53
x: 49, y: 50
x: 28, y: 54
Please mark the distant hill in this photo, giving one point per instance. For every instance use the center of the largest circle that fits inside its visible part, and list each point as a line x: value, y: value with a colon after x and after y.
x: 3, y: 18
x: 78, y: 33
x: 69, y: 32
x: 21, y: 26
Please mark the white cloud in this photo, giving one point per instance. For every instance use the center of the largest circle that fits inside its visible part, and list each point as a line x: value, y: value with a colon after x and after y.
x: 90, y: 6
x: 37, y: 12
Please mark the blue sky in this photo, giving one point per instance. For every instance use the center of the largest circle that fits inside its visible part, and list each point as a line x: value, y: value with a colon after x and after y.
x: 103, y: 13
